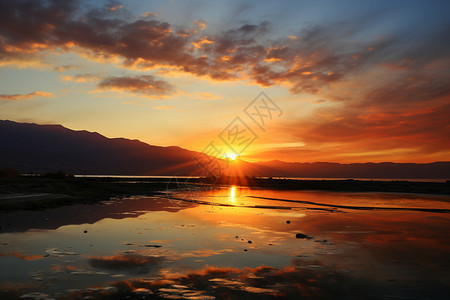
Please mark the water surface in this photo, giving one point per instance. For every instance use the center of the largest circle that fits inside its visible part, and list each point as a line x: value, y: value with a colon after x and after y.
x: 231, y: 243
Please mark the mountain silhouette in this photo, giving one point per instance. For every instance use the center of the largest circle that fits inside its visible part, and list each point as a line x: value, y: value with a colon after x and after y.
x: 436, y: 170
x: 33, y: 148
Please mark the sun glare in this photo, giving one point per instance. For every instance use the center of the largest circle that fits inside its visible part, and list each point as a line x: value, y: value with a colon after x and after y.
x: 232, y: 155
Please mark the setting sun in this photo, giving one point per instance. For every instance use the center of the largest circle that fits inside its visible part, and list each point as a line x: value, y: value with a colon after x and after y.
x: 231, y: 155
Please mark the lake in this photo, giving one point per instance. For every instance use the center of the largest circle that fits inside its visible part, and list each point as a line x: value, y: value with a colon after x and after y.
x: 231, y: 243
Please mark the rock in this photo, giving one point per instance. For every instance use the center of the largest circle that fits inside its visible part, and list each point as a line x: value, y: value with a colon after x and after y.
x: 322, y: 241
x: 288, y: 222
x: 249, y: 242
x: 85, y: 231
x: 245, y: 250
x: 303, y: 236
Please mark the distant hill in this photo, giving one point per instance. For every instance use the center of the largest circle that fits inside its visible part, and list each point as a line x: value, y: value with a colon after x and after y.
x: 436, y: 170
x: 33, y: 148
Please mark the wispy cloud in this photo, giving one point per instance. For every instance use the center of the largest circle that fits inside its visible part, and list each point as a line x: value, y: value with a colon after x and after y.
x: 166, y: 107
x: 86, y: 77
x: 15, y: 97
x: 65, y: 68
x: 206, y: 96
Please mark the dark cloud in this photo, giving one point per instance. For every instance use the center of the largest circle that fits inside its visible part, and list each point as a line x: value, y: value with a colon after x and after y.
x: 143, y: 84
x: 147, y: 85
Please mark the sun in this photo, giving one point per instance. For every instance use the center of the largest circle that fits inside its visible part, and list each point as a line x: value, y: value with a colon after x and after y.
x: 231, y: 155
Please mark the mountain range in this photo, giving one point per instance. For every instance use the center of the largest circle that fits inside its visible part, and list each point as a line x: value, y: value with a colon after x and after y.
x: 33, y: 148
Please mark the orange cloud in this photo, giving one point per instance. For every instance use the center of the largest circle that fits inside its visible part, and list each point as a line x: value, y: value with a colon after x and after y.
x: 206, y: 96
x: 81, y: 77
x: 202, y: 41
x: 200, y: 24
x: 15, y: 97
x: 167, y: 107
x: 115, y: 7
x: 149, y: 14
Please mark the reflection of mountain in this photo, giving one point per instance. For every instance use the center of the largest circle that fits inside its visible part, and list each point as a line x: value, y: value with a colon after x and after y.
x: 33, y: 148
x: 80, y: 214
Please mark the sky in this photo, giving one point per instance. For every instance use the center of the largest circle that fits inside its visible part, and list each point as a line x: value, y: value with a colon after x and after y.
x: 299, y: 81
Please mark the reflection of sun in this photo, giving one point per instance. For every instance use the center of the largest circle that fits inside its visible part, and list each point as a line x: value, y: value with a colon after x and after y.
x: 233, y: 194
x: 231, y: 155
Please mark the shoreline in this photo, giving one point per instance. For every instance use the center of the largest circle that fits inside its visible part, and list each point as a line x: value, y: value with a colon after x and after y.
x: 40, y: 193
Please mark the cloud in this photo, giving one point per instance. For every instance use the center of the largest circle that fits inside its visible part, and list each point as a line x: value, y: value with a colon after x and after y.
x: 393, y: 122
x: 200, y: 24
x: 15, y: 97
x: 149, y: 14
x: 86, y: 77
x: 144, y: 84
x: 300, y: 279
x: 206, y: 96
x: 167, y: 107
x: 319, y: 59
x: 318, y: 56
x: 125, y: 262
x: 65, y: 68
x: 113, y: 6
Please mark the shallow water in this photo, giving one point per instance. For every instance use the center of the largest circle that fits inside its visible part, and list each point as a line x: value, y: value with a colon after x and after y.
x: 231, y: 243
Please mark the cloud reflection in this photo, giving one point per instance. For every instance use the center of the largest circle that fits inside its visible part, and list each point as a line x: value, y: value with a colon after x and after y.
x: 300, y: 279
